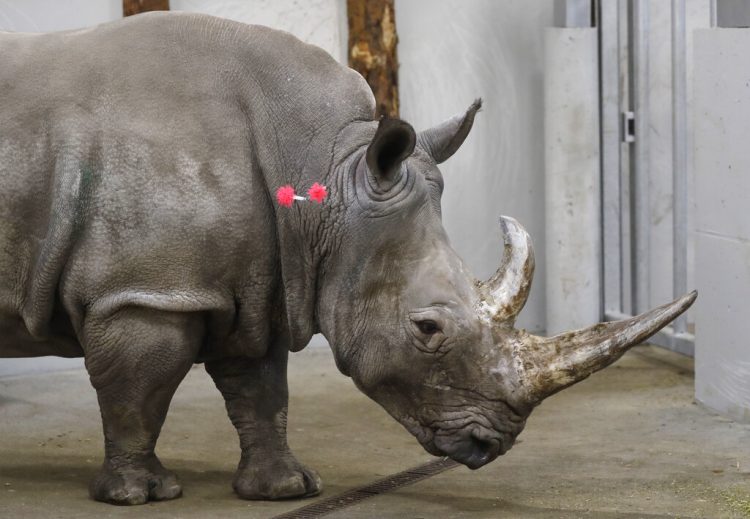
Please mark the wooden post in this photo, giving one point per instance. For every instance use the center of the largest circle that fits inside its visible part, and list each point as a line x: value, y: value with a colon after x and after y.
x: 372, y: 50
x: 130, y: 7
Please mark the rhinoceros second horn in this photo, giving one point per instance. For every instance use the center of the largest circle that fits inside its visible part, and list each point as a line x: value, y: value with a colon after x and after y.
x: 509, y: 287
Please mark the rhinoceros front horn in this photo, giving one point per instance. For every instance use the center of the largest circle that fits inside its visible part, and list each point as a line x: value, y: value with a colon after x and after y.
x: 554, y: 363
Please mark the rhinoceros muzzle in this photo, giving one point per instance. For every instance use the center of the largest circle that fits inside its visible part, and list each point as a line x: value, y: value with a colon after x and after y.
x: 472, y: 445
x: 471, y: 435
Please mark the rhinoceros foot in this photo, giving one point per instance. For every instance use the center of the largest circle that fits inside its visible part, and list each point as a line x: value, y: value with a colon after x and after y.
x: 282, y: 479
x: 134, y: 484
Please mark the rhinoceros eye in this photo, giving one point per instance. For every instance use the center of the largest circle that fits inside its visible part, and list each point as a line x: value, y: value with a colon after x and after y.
x: 428, y: 327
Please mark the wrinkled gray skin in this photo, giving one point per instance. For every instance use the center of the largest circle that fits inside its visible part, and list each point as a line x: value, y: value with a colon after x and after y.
x: 138, y: 228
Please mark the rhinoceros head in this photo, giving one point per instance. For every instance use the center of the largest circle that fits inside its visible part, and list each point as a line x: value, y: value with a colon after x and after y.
x: 418, y: 333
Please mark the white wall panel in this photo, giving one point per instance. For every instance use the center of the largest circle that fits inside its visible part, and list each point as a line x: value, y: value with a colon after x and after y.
x: 572, y: 168
x: 722, y: 196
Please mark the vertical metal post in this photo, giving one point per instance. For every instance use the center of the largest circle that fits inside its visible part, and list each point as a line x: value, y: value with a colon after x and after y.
x: 625, y: 79
x: 640, y: 155
x: 679, y: 157
x: 713, y: 8
x: 609, y: 95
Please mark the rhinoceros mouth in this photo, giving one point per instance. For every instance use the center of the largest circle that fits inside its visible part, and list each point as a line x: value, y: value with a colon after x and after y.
x: 473, y: 435
x: 473, y: 446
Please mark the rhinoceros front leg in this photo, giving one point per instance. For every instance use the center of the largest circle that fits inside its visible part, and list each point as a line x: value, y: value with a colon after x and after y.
x: 256, y: 397
x: 135, y: 360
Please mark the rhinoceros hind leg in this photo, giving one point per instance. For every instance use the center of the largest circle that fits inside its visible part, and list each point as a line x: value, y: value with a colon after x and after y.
x: 136, y: 359
x: 256, y: 395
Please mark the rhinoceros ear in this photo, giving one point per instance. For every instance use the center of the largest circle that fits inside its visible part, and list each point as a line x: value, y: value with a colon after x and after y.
x: 392, y: 144
x: 442, y: 141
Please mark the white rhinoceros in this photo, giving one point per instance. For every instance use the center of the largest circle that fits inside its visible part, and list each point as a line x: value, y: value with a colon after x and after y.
x: 139, y: 229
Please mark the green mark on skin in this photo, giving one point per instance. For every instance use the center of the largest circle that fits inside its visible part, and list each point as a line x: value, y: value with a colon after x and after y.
x: 87, y: 177
x: 85, y: 190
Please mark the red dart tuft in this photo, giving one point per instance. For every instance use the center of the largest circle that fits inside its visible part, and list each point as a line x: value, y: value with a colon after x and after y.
x: 285, y: 196
x: 317, y: 193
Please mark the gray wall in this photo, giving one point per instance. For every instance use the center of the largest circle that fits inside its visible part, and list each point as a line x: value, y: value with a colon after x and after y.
x: 450, y: 53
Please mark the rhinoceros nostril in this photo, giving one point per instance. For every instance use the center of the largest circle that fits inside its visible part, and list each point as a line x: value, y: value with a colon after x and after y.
x: 483, y: 451
x: 472, y: 448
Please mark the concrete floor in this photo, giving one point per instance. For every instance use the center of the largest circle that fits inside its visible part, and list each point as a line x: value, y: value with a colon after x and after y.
x: 628, y: 442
